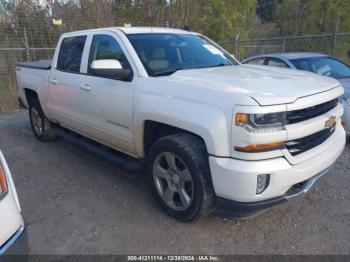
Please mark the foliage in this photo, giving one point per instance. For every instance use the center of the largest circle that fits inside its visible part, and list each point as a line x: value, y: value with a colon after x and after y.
x: 266, y: 9
x: 298, y: 17
x: 219, y: 19
x: 304, y: 17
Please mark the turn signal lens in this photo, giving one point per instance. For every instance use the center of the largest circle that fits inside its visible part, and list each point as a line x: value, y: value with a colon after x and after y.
x: 254, y: 148
x: 3, y: 184
x: 242, y: 118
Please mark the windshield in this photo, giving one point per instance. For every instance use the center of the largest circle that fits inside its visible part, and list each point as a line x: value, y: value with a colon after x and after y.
x: 164, y: 54
x: 326, y: 66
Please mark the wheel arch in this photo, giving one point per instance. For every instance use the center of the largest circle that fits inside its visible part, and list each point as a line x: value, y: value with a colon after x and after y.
x: 154, y: 130
x: 29, y: 95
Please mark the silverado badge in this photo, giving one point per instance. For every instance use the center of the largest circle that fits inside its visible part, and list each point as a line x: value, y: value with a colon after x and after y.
x: 331, y: 122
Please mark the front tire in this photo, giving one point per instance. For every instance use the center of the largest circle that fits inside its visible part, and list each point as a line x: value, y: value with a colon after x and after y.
x: 179, y: 176
x: 42, y: 128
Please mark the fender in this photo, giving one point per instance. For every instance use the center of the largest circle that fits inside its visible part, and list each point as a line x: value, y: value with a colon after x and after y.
x: 204, y: 120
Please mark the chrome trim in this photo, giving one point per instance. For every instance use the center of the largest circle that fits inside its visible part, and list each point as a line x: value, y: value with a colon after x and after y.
x: 13, y: 239
x: 309, y: 184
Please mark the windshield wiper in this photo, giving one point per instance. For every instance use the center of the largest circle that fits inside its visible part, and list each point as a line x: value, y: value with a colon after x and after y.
x: 173, y: 70
x: 217, y: 65
x: 166, y: 72
x: 221, y: 64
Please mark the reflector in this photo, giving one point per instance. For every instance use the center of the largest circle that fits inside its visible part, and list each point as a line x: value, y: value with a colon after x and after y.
x: 3, y: 185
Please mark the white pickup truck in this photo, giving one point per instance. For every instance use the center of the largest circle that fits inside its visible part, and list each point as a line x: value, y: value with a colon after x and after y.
x: 214, y: 135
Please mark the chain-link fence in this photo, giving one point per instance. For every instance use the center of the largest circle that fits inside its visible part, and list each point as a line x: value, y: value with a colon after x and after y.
x: 331, y: 44
x: 337, y: 45
x: 8, y: 59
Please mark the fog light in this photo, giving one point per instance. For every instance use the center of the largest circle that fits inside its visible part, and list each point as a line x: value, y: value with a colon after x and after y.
x: 262, y: 183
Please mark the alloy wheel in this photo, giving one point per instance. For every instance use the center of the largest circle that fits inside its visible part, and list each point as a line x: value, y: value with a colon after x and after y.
x: 173, y: 181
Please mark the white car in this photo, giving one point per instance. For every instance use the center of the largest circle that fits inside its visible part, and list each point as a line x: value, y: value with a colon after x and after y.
x: 313, y: 62
x: 212, y: 133
x: 11, y: 221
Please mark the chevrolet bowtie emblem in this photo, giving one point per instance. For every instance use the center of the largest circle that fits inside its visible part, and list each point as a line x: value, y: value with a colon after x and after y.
x: 331, y: 122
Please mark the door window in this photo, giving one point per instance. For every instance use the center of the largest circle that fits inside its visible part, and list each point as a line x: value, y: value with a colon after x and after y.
x: 256, y: 61
x: 106, y: 47
x: 277, y: 63
x: 70, y: 54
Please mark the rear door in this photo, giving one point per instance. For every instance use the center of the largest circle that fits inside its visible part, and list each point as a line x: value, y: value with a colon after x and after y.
x: 65, y: 82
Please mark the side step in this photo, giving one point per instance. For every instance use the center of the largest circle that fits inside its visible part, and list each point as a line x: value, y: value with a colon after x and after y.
x: 117, y: 158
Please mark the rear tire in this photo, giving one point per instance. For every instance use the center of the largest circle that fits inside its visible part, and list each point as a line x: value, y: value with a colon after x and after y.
x: 42, y: 128
x: 179, y: 175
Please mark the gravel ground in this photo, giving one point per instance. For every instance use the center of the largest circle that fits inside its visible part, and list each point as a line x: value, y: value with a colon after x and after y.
x: 76, y: 203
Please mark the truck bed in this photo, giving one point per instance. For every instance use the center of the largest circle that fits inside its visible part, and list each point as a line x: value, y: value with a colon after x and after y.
x: 40, y: 64
x: 33, y: 76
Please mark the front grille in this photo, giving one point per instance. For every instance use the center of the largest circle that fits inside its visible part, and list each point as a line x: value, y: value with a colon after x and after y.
x: 300, y: 145
x: 297, y: 116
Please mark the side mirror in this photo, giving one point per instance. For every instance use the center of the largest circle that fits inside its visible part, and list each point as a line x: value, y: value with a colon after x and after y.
x: 110, y: 68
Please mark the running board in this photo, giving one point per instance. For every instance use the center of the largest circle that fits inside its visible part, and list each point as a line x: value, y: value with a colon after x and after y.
x: 115, y: 157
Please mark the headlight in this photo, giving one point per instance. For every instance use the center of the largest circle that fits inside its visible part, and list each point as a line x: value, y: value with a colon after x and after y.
x: 3, y: 184
x: 251, y: 122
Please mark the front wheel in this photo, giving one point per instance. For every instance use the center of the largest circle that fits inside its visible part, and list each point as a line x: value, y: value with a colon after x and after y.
x: 42, y: 127
x: 179, y: 175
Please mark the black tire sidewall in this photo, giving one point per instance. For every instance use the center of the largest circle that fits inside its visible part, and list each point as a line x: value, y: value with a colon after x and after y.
x: 35, y: 104
x: 169, y: 145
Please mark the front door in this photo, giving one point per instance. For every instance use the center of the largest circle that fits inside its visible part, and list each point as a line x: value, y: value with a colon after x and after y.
x: 109, y: 102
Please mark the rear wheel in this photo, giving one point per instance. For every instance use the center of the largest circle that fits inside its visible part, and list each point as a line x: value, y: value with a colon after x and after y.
x: 42, y: 127
x: 179, y: 175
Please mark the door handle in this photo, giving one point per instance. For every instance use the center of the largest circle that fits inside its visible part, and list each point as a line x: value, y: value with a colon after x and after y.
x: 53, y: 81
x: 85, y: 87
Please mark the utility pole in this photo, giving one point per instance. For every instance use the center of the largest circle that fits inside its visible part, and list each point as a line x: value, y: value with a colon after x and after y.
x: 26, y: 44
x: 335, y: 34
x: 236, y: 46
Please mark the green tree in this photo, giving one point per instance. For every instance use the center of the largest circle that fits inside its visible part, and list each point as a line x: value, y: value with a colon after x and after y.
x: 266, y: 9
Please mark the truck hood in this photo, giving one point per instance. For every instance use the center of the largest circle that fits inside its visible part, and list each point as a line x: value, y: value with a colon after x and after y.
x: 266, y: 85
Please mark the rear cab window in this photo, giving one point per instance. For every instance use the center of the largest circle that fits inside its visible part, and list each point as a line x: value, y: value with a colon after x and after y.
x: 70, y: 54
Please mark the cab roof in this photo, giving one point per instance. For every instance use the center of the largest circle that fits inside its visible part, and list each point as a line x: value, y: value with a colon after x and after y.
x: 149, y: 30
x: 134, y: 30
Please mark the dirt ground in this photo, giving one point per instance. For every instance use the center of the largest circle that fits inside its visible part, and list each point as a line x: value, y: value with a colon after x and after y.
x: 76, y: 203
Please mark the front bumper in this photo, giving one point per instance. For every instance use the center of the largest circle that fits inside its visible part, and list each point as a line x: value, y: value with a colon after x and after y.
x: 235, y: 180
x: 17, y: 244
x: 245, y: 210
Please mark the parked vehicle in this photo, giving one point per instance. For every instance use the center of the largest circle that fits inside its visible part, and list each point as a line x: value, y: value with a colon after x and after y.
x: 316, y: 63
x: 11, y: 221
x: 213, y: 134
